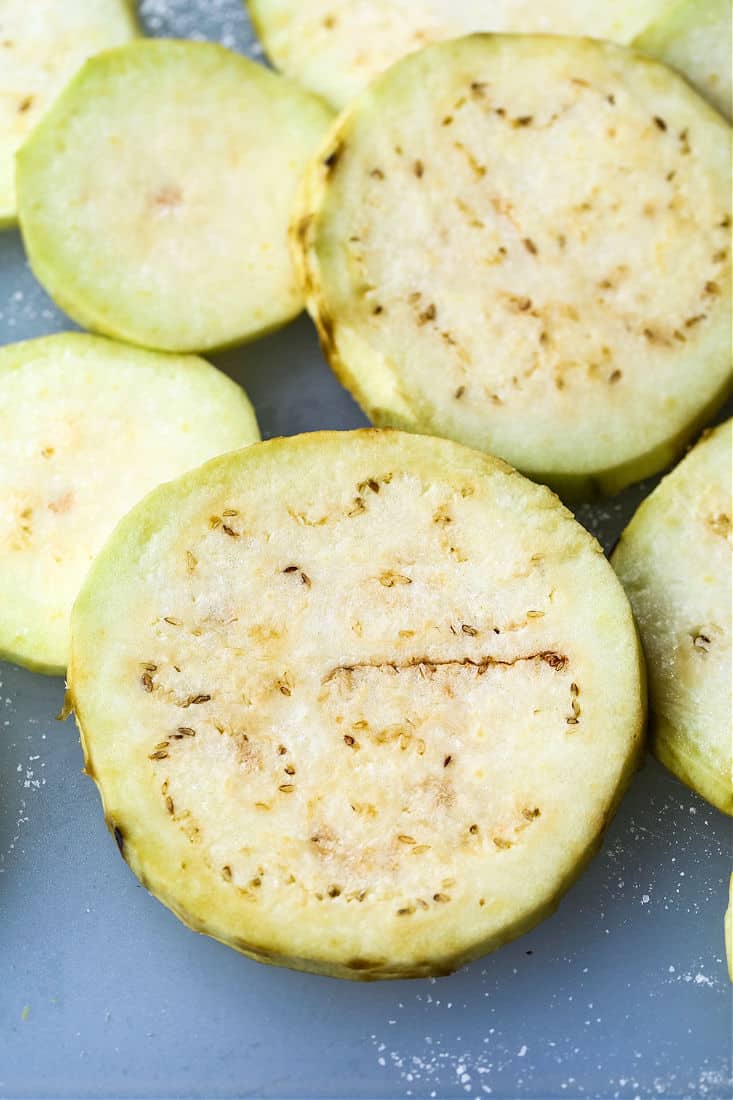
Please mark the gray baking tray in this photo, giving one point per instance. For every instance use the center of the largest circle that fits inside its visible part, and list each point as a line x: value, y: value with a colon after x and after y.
x: 103, y: 993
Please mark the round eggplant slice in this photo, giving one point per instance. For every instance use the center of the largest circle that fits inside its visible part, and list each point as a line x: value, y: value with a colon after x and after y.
x: 356, y: 703
x: 154, y: 196
x: 492, y: 243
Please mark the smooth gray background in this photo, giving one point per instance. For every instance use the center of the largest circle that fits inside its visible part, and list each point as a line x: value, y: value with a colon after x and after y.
x: 103, y: 993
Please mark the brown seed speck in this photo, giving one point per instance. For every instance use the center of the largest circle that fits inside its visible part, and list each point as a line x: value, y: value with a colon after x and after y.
x: 377, y: 310
x: 501, y: 843
x: 418, y: 168
x: 191, y: 561
x: 25, y: 104
x: 289, y: 769
x: 701, y: 641
x: 172, y: 620
x: 660, y: 123
x: 169, y: 805
x: 334, y: 891
x: 149, y: 666
x: 428, y: 314
x: 159, y: 754
x: 530, y: 245
x: 406, y: 911
x: 470, y: 630
x: 447, y: 760
x: 349, y: 740
x: 447, y: 120
x: 291, y: 569
x: 523, y: 120
x: 147, y: 681
x: 214, y: 522
x: 420, y: 849
x: 441, y: 898
x: 712, y: 288
x: 194, y: 700
x: 405, y: 839
x: 473, y: 830
x: 692, y: 321
x: 305, y: 579
x: 459, y: 393
x: 229, y: 531
x: 390, y: 580
x: 226, y: 873
x: 230, y: 512
x: 614, y: 376
x: 186, y: 731
x: 287, y: 788
x: 281, y: 750
x: 530, y: 814
x: 377, y: 174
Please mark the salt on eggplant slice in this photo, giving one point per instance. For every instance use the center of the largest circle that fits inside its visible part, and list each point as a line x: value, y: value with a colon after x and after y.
x: 359, y: 703
x: 87, y: 428
x: 674, y: 560
x: 154, y: 196
x: 491, y: 243
x: 694, y: 37
x: 336, y: 47
x: 42, y: 45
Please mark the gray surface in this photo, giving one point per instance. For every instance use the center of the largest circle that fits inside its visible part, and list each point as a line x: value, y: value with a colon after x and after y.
x: 623, y: 993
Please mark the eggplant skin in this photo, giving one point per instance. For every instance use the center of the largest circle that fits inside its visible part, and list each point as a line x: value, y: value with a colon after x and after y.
x: 356, y: 703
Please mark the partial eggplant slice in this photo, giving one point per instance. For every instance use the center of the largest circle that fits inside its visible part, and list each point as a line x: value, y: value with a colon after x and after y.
x: 674, y: 560
x: 42, y: 44
x: 492, y: 243
x: 87, y: 427
x: 336, y: 47
x: 360, y: 703
x: 694, y: 36
x: 154, y: 197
